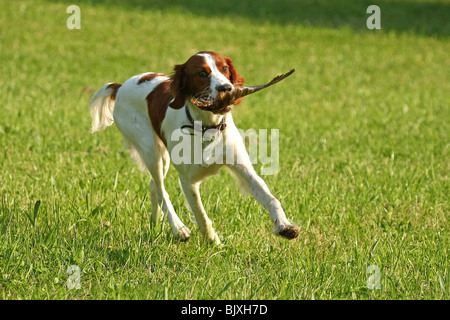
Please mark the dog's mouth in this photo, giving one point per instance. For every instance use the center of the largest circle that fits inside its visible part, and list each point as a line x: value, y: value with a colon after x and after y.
x: 222, y: 103
x: 217, y: 105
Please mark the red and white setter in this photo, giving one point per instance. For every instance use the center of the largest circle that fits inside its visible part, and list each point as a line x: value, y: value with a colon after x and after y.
x: 151, y: 107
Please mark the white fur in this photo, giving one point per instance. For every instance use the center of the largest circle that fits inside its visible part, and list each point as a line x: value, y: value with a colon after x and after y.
x: 130, y: 113
x: 101, y: 107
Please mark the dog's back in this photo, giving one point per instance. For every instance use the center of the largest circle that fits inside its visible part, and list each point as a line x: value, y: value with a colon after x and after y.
x: 126, y: 104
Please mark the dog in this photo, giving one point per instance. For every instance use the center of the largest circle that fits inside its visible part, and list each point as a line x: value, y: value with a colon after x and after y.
x: 150, y: 108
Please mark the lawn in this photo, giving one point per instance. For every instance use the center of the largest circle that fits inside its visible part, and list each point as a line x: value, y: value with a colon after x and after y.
x: 364, y: 152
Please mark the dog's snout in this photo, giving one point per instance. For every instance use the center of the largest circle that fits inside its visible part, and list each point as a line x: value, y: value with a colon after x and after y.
x: 224, y: 87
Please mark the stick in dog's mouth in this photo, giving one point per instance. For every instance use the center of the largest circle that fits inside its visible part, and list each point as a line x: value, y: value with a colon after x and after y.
x: 227, y: 98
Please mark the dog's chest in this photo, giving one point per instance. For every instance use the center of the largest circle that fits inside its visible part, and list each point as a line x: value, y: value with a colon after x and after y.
x: 193, y: 147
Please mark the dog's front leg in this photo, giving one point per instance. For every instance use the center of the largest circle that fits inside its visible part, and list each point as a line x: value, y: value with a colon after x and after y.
x: 192, y: 193
x: 257, y: 186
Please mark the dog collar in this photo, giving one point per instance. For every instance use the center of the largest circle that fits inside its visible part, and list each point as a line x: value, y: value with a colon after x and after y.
x: 221, y: 126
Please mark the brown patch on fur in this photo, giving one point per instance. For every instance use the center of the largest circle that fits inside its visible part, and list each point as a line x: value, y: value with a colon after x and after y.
x: 187, y: 81
x: 235, y: 78
x: 149, y: 77
x: 115, y: 87
x: 157, y: 104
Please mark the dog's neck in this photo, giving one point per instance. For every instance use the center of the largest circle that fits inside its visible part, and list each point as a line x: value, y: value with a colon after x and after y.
x: 206, y: 117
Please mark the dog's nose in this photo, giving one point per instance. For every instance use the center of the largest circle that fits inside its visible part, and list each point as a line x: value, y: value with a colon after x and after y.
x: 224, y: 87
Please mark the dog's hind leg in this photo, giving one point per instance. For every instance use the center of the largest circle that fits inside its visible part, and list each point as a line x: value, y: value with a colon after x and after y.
x: 157, y: 214
x: 160, y: 198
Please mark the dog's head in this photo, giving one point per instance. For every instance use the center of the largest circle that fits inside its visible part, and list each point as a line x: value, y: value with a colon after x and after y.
x: 202, y: 78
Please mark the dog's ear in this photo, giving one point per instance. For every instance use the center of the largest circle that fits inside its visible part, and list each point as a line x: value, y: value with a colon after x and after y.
x: 236, y: 79
x: 178, y: 87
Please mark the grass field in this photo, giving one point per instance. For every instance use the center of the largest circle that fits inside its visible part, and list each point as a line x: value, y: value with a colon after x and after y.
x: 364, y: 152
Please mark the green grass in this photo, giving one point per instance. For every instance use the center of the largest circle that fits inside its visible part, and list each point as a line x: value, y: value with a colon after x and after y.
x: 364, y: 152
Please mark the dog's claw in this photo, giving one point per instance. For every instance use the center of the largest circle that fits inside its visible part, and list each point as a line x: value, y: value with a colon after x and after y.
x: 289, y: 232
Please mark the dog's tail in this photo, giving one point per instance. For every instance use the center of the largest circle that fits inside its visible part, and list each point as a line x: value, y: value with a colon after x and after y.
x: 102, y: 106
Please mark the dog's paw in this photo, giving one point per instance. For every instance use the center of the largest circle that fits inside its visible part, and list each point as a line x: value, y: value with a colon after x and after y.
x: 212, y: 237
x: 289, y: 232
x: 216, y: 240
x: 183, y: 234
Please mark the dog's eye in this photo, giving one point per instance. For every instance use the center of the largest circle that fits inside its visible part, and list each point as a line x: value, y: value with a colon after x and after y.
x: 225, y: 69
x: 203, y: 74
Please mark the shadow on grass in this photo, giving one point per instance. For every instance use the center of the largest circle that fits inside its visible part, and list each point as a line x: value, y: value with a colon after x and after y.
x: 422, y: 17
